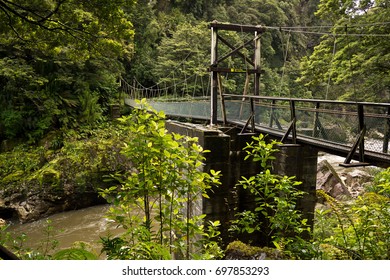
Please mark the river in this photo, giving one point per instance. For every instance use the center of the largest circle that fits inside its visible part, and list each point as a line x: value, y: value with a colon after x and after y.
x: 86, y: 225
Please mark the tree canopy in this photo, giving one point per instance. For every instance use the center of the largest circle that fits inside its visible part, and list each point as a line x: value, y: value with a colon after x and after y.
x: 352, y: 60
x: 59, y: 62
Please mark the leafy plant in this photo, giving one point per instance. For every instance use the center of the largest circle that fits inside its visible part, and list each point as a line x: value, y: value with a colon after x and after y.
x: 275, y: 214
x: 74, y: 254
x: 360, y: 227
x: 338, y: 65
x: 4, y: 235
x: 18, y: 244
x: 381, y: 183
x: 261, y: 150
x: 48, y: 247
x: 157, y: 196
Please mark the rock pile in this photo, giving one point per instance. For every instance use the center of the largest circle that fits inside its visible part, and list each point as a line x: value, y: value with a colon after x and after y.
x: 342, y: 183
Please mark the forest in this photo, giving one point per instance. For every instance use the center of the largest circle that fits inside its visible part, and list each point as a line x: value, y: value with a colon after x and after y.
x: 61, y: 61
x: 63, y: 64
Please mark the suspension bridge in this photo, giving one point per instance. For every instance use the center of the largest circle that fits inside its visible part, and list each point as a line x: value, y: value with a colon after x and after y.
x: 357, y: 131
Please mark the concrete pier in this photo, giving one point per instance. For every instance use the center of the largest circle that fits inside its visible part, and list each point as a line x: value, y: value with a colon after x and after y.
x: 226, y: 155
x: 300, y: 161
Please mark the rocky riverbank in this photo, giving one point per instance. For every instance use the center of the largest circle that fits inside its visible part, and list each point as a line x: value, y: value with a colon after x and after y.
x: 33, y: 205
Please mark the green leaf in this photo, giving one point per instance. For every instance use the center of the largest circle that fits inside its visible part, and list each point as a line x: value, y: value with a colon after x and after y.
x: 74, y: 254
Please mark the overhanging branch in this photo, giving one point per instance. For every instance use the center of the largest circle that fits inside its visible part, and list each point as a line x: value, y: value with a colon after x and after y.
x: 22, y: 11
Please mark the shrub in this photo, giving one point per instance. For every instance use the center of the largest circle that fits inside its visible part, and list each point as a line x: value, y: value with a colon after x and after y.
x: 157, y: 196
x: 359, y: 228
x: 275, y: 214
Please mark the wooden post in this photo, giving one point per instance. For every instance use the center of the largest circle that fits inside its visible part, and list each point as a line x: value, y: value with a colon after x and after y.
x: 271, y: 117
x: 214, y: 70
x: 293, y: 120
x: 316, y: 120
x: 252, y: 115
x: 214, y: 77
x: 358, y: 143
x: 257, y: 62
x: 222, y: 99
x: 292, y: 127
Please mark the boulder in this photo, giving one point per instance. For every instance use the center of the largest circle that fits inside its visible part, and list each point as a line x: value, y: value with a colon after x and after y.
x: 356, y: 180
x: 331, y: 182
x: 340, y: 182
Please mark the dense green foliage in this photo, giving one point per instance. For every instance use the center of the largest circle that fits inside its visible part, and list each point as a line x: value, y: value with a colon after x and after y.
x: 156, y: 201
x: 355, y: 229
x: 352, y: 61
x: 60, y: 61
x: 66, y: 163
x: 381, y: 184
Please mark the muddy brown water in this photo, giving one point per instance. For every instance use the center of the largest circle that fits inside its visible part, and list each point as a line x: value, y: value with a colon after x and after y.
x: 86, y: 225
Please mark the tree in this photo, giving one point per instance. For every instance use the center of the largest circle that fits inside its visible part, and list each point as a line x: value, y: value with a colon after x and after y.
x: 155, y: 200
x: 146, y: 38
x: 59, y: 62
x: 275, y: 216
x: 81, y: 26
x: 352, y: 60
x: 183, y: 59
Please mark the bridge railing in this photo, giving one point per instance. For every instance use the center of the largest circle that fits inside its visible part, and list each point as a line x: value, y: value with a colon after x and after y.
x: 362, y: 126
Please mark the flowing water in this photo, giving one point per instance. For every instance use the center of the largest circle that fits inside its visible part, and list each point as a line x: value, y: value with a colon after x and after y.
x: 87, y: 225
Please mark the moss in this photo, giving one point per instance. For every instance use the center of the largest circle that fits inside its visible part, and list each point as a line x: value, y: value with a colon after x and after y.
x: 329, y: 252
x: 15, y: 176
x: 50, y: 177
x: 238, y: 250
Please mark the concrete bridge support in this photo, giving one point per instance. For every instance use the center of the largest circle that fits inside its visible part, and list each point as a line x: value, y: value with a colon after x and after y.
x: 223, y: 200
x: 227, y: 155
x: 300, y: 161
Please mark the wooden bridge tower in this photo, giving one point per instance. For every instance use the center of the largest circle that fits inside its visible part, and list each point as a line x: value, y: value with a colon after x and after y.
x: 216, y: 59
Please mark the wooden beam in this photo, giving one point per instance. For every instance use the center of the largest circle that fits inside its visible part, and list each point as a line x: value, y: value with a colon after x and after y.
x: 233, y: 70
x: 236, y: 50
x: 237, y: 27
